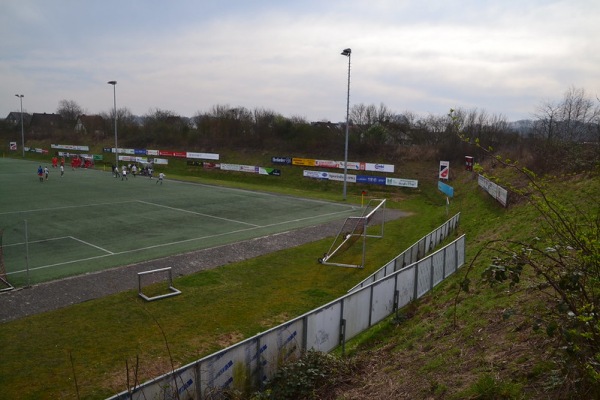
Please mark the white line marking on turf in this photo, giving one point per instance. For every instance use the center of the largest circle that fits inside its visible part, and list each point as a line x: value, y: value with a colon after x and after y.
x: 36, y: 241
x: 197, y: 213
x: 61, y: 238
x: 68, y: 207
x: 92, y: 245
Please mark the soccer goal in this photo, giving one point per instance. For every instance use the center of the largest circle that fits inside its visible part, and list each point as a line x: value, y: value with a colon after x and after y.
x: 159, y: 291
x: 4, y: 284
x: 369, y: 225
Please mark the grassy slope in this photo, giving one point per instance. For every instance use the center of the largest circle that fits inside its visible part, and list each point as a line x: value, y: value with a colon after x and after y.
x: 434, y: 350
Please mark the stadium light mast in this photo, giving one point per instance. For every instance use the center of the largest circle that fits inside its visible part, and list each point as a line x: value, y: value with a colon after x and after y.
x: 347, y: 53
x: 20, y: 96
x: 114, y: 84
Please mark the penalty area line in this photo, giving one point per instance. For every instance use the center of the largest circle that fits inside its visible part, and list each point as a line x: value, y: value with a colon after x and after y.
x: 91, y: 245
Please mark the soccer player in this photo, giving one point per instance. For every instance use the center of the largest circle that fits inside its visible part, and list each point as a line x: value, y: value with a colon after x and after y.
x: 160, y: 178
x: 46, y: 172
x: 40, y: 173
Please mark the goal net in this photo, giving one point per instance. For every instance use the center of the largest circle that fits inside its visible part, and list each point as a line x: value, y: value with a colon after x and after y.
x: 369, y: 225
x: 4, y: 284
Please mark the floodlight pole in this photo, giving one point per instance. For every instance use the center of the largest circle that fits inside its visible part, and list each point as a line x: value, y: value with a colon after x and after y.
x: 347, y: 53
x: 20, y: 96
x: 114, y: 84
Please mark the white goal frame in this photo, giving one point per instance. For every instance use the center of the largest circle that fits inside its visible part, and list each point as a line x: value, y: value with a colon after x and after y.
x: 172, y: 290
x: 359, y: 228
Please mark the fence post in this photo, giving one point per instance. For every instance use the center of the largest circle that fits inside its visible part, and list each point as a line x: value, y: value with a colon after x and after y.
x: 198, y: 375
x: 415, y: 289
x: 343, y: 335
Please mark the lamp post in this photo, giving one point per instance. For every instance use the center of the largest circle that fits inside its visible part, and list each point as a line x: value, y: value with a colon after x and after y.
x: 20, y: 96
x: 347, y: 53
x: 114, y: 84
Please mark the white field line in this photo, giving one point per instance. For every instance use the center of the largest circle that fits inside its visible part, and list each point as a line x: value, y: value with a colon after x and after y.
x: 171, y: 243
x: 197, y: 213
x: 67, y: 207
x: 92, y: 245
x: 61, y: 238
x: 36, y: 241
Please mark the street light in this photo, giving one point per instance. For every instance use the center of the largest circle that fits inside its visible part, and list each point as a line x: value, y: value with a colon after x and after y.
x: 347, y: 53
x: 114, y: 84
x: 20, y: 96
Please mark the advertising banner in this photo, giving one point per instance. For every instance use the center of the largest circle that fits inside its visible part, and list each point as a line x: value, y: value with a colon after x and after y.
x: 354, y: 166
x: 69, y: 147
x: 307, y: 162
x: 446, y: 189
x: 444, y: 170
x: 205, y: 156
x: 335, y: 176
x: 371, y: 180
x: 160, y: 161
x: 328, y: 164
x: 402, y: 182
x: 315, y: 174
x: 269, y: 171
x: 281, y: 160
x: 379, y: 167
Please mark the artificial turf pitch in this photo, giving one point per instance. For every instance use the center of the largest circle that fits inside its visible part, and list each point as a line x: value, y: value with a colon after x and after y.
x: 88, y: 220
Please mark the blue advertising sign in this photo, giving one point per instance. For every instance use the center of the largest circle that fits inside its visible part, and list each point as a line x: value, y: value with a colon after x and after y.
x: 372, y: 180
x: 281, y: 160
x: 446, y: 189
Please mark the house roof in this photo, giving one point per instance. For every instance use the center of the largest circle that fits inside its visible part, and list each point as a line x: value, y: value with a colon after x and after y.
x: 15, y: 117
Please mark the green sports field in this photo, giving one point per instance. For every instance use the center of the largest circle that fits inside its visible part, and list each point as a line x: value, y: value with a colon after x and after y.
x: 88, y: 220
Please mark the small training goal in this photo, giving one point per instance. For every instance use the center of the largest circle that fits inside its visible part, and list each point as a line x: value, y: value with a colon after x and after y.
x: 369, y: 225
x: 156, y: 284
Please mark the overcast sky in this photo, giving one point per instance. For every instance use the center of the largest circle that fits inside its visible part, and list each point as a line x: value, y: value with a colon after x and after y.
x: 504, y: 57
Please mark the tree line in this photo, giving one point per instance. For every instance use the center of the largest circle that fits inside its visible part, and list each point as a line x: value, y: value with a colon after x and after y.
x: 568, y: 129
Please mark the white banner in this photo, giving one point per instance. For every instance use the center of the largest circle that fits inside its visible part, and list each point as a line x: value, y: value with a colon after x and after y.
x: 69, y: 147
x: 355, y: 166
x: 205, y: 156
x: 379, y: 167
x: 402, y: 182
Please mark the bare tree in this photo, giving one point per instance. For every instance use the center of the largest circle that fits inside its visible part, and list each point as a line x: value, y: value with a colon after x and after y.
x: 69, y: 110
x: 572, y: 119
x: 578, y: 114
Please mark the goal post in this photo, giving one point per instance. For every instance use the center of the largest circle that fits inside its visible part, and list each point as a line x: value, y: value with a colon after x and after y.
x: 370, y: 224
x: 164, y: 272
x: 4, y: 284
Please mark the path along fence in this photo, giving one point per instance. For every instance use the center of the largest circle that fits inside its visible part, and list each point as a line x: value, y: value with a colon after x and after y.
x: 247, y: 365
